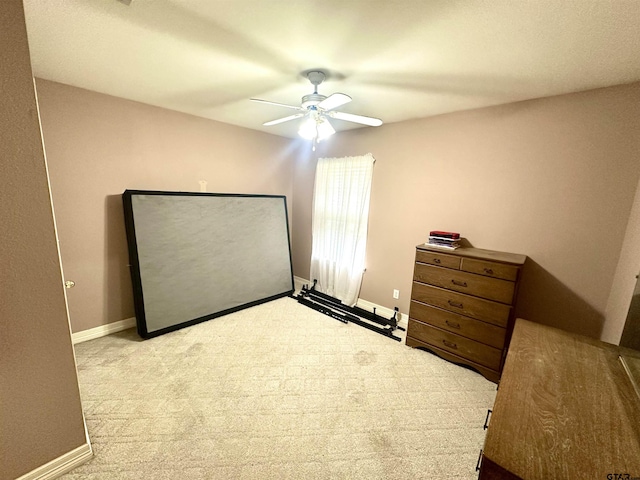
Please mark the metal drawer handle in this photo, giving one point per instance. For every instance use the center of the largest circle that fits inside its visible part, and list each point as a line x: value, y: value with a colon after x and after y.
x: 486, y: 420
x: 436, y: 260
x: 479, y: 460
x: 450, y: 344
x: 455, y: 304
x: 488, y: 270
x: 460, y: 284
x: 451, y: 324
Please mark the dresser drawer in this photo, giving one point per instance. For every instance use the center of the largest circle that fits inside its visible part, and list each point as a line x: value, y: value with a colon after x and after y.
x: 441, y: 259
x: 467, y: 327
x: 486, y: 310
x: 464, y: 347
x: 463, y: 282
x: 490, y: 269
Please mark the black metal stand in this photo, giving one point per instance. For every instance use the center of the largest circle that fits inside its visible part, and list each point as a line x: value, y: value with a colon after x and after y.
x: 334, y: 308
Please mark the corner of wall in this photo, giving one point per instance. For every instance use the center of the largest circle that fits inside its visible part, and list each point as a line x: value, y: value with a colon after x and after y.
x: 625, y: 278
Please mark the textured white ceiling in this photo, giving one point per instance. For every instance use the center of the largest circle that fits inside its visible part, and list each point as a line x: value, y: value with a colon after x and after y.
x: 398, y: 59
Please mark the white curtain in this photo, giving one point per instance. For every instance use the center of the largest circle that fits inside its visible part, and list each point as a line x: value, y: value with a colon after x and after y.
x: 339, y: 225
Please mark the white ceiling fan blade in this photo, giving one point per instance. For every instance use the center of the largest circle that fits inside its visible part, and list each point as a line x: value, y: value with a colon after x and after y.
x: 284, y: 119
x: 334, y: 101
x: 276, y: 103
x: 349, y: 117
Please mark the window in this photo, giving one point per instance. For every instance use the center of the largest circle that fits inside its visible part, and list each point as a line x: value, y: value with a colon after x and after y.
x: 340, y: 219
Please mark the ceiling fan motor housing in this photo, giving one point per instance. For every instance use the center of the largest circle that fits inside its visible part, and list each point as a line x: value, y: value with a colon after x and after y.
x: 312, y: 100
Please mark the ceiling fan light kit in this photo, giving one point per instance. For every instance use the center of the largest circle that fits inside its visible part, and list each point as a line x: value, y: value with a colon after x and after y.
x: 316, y: 127
x: 317, y: 109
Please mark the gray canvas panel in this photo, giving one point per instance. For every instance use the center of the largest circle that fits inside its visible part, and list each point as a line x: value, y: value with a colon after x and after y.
x: 203, y: 254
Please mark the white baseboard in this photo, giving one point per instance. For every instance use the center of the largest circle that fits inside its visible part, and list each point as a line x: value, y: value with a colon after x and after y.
x: 403, y: 318
x: 103, y: 330
x: 382, y: 311
x: 60, y: 465
x: 299, y: 282
x: 109, y: 328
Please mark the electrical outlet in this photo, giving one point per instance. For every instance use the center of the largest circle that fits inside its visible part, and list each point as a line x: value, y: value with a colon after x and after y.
x: 396, y: 294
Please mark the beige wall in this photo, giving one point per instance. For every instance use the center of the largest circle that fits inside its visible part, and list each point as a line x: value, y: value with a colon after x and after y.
x: 98, y: 146
x: 40, y: 412
x: 552, y: 178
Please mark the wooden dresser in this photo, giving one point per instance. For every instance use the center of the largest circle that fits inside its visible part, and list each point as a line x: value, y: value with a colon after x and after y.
x: 566, y: 409
x: 462, y: 305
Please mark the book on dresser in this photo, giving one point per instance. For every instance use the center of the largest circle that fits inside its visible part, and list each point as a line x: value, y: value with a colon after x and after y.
x: 445, y: 240
x: 462, y: 305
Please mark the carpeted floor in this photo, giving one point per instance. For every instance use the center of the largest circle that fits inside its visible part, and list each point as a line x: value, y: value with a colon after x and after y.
x: 277, y: 391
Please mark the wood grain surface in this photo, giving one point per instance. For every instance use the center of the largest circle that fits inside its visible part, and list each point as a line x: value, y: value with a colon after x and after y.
x: 491, y: 375
x: 481, y: 254
x: 463, y: 282
x: 486, y: 310
x: 565, y: 409
x: 462, y: 305
x: 475, y: 351
x: 437, y: 258
x: 459, y: 324
x: 490, y: 269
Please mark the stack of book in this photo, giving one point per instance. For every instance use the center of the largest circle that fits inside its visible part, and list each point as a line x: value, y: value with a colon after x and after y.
x: 445, y: 240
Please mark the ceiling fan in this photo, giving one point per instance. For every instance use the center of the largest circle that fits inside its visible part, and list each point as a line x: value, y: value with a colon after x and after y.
x: 318, y: 109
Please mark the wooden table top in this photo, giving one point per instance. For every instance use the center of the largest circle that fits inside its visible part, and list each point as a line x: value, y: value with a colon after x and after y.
x: 565, y: 409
